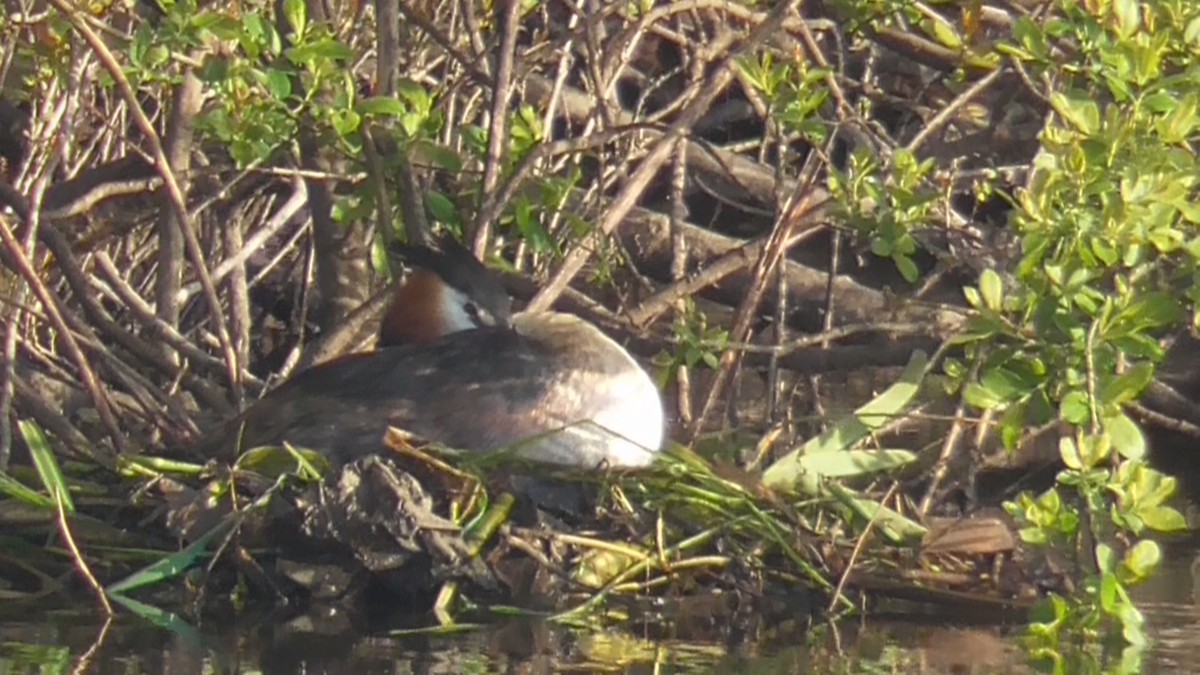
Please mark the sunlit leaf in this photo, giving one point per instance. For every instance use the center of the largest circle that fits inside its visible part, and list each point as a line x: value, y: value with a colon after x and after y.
x: 1126, y: 386
x: 1079, y: 109
x: 1143, y: 558
x: 381, y: 106
x: 981, y: 397
x: 324, y: 49
x: 1108, y: 591
x: 1075, y: 408
x: 1069, y: 452
x: 1127, y: 437
x: 296, y: 12
x: 1129, y: 17
x: 991, y: 288
x: 906, y: 266
x: 1163, y: 519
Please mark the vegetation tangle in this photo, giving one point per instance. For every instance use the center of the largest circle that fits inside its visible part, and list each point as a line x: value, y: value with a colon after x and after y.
x: 877, y: 252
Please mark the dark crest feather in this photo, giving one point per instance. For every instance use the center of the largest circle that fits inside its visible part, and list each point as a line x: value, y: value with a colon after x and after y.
x: 459, y: 268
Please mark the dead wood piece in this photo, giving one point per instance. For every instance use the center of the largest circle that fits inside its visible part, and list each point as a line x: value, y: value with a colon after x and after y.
x: 735, y: 179
x: 81, y: 193
x: 29, y: 399
x: 647, y: 235
x: 385, y: 517
x: 969, y: 536
x: 323, y: 582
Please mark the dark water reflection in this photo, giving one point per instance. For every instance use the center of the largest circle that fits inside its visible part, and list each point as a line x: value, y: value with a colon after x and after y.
x: 63, y: 640
x: 60, y: 644
x: 1169, y: 601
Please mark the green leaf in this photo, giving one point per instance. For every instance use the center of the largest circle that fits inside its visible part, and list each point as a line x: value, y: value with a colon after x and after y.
x: 345, y: 122
x: 438, y: 155
x: 1143, y: 559
x: 1012, y: 425
x: 326, y: 49
x: 441, y: 207
x: 1163, y: 519
x: 991, y: 287
x: 942, y: 31
x: 1069, y: 453
x: 1007, y: 384
x: 1126, y: 436
x: 415, y: 94
x: 1133, y: 626
x: 296, y: 12
x: 181, y: 630
x: 1040, y: 409
x: 1192, y: 32
x: 1095, y: 449
x: 1146, y: 485
x: 259, y: 32
x: 275, y: 461
x: 1126, y: 386
x: 1074, y: 408
x: 1108, y: 592
x: 1178, y: 126
x: 279, y: 84
x: 893, y: 525
x: 1106, y: 558
x: 380, y: 106
x: 1129, y: 17
x: 974, y: 299
x: 1151, y: 310
x: 981, y: 397
x: 1078, y: 109
x: 908, y: 268
x: 1029, y: 34
x: 380, y: 259
x: 221, y: 25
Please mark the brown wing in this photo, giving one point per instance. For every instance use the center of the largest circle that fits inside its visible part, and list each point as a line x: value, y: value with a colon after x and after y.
x: 478, y: 390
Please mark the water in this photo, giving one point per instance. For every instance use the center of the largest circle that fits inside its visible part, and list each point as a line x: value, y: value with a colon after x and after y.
x: 77, y: 639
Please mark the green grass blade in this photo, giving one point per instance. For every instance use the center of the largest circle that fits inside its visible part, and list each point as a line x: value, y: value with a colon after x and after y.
x: 788, y: 472
x: 895, y: 527
x: 151, y: 467
x: 172, y: 565
x: 163, y: 619
x: 47, y: 465
x: 17, y: 490
x: 855, y: 462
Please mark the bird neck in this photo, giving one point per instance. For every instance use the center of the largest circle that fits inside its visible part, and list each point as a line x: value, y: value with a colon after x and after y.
x: 417, y: 313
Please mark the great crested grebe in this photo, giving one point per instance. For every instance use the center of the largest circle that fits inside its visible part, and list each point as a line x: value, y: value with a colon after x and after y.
x: 457, y: 369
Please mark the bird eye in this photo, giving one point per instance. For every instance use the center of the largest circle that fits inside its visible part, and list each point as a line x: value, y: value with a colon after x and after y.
x: 475, y: 313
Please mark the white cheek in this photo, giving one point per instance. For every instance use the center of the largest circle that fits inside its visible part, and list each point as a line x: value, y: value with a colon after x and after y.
x: 454, y: 312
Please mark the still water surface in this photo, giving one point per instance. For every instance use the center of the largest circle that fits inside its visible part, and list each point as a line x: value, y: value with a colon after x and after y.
x: 66, y: 641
